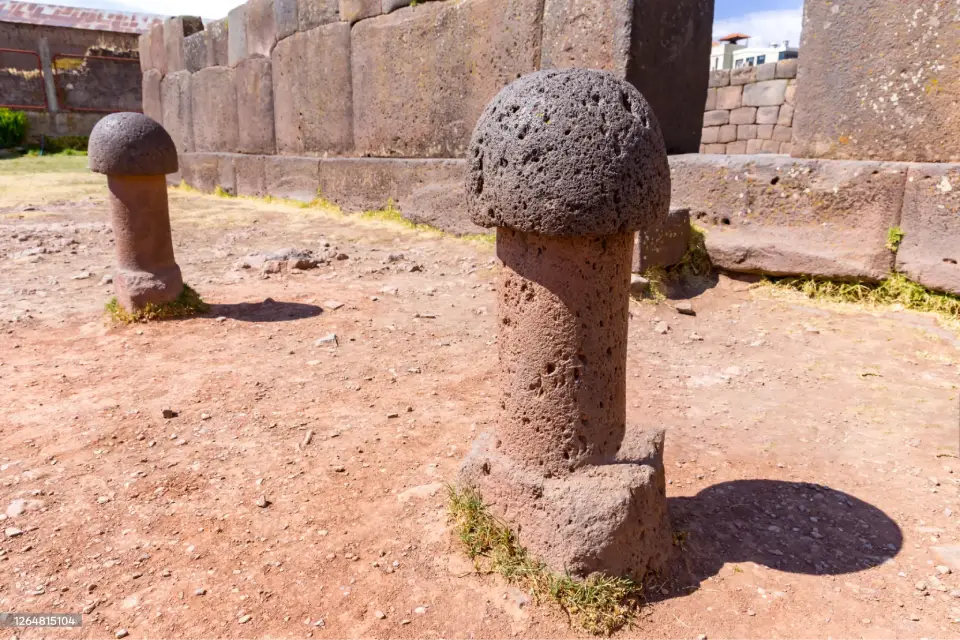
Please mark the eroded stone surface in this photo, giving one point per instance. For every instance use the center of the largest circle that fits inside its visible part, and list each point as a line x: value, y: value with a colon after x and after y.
x: 610, y: 518
x: 177, y: 107
x: 152, y: 101
x: 783, y: 216
x: 147, y: 272
x: 174, y: 31
x: 471, y: 50
x: 664, y: 244
x: 898, y: 100
x: 254, y: 86
x: 930, y: 250
x: 313, y: 99
x: 131, y: 144
x: 568, y: 152
x: 214, y: 100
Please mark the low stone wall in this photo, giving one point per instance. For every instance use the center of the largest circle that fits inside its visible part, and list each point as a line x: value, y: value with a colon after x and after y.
x: 829, y: 218
x: 750, y: 109
x: 55, y: 125
x: 766, y: 214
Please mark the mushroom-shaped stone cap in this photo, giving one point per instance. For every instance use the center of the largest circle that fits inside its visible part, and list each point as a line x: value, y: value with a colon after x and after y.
x: 131, y: 144
x: 568, y: 152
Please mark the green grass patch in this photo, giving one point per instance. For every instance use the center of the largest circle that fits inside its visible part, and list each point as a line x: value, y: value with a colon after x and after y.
x: 220, y: 192
x: 29, y: 165
x: 895, y: 290
x: 895, y: 236
x: 599, y: 604
x: 188, y: 303
x: 390, y: 213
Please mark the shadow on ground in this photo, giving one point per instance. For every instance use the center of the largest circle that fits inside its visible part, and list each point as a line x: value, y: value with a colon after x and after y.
x: 267, y: 311
x: 795, y: 527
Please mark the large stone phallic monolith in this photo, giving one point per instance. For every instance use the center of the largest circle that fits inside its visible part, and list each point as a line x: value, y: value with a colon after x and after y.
x: 135, y: 153
x: 567, y: 165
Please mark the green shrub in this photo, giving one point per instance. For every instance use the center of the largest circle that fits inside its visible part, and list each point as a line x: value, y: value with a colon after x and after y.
x: 13, y: 128
x: 64, y: 143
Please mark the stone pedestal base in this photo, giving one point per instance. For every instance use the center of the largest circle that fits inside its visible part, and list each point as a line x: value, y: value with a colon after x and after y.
x: 137, y: 289
x: 609, y: 518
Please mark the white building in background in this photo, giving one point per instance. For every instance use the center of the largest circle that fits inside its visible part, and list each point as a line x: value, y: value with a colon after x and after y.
x: 729, y: 53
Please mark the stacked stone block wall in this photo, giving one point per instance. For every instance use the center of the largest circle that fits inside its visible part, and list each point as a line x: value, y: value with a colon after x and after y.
x: 750, y: 109
x: 365, y: 101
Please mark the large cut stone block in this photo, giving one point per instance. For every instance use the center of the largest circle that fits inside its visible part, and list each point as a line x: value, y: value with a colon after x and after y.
x: 878, y: 79
x: 765, y: 94
x: 254, y: 84
x: 195, y: 55
x: 571, y: 521
x: 286, y: 18
x: 215, y: 125
x: 217, y: 43
x: 291, y: 177
x: 174, y: 31
x: 144, y: 45
x: 177, y: 108
x: 152, y: 100
x: 200, y: 170
x: 657, y: 45
x: 355, y: 10
x: 157, y: 48
x: 313, y: 103
x: 471, y: 50
x: 316, y: 13
x: 425, y: 191
x: 261, y: 26
x: 237, y: 35
x: 250, y: 175
x: 774, y: 215
x: 930, y: 250
x: 226, y: 171
x: 663, y: 244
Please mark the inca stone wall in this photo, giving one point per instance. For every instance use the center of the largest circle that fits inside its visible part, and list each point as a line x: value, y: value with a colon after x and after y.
x: 750, y: 109
x: 368, y: 100
x: 880, y: 80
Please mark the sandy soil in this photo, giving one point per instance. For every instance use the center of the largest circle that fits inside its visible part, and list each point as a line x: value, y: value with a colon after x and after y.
x: 811, y: 450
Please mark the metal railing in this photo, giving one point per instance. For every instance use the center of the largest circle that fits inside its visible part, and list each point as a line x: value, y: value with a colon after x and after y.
x: 43, y: 90
x: 56, y: 79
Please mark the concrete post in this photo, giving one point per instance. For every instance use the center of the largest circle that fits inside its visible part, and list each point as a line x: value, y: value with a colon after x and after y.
x: 136, y: 153
x: 49, y: 86
x: 567, y: 165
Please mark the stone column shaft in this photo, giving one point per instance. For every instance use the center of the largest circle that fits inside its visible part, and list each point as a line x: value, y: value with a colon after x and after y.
x: 563, y: 311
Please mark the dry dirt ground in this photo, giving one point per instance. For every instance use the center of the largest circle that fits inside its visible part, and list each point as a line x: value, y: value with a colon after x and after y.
x: 811, y: 449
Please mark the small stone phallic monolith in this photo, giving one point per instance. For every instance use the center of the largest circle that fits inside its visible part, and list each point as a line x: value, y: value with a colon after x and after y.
x: 136, y: 154
x: 566, y: 165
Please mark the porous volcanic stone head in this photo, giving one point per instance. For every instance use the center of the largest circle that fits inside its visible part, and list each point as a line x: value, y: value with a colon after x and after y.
x: 131, y: 144
x: 568, y: 152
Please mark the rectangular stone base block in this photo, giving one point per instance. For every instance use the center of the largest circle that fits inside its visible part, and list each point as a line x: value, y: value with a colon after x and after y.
x: 292, y: 177
x: 930, y: 250
x: 609, y: 518
x: 250, y: 175
x: 782, y: 216
x: 425, y: 191
x: 662, y: 245
x: 200, y: 170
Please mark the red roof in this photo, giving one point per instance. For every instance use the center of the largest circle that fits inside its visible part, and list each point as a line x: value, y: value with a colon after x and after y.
x: 77, y: 18
x: 733, y: 37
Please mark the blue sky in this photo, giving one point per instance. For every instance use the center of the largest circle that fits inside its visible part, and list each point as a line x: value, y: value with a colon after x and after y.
x: 766, y: 20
